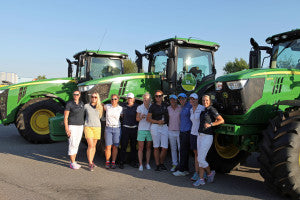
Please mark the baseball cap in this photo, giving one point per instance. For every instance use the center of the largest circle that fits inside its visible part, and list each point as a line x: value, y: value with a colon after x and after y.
x: 182, y: 95
x: 130, y: 95
x: 173, y: 96
x: 194, y: 95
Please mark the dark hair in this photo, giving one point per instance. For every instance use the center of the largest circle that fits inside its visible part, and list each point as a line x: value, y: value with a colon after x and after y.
x: 115, y: 95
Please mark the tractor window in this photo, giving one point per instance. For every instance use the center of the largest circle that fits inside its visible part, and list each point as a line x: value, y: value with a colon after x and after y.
x: 82, y: 71
x: 103, y: 67
x: 159, y: 62
x: 287, y: 55
x: 194, y: 61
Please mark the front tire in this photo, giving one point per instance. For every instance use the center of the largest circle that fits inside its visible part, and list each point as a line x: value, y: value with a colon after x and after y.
x: 223, y: 155
x: 280, y: 154
x: 32, y: 120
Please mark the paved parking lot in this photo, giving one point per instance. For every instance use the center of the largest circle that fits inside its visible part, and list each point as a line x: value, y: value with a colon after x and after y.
x: 30, y: 171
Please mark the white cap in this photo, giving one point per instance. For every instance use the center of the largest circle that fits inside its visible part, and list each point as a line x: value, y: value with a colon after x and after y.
x: 194, y: 95
x: 130, y: 95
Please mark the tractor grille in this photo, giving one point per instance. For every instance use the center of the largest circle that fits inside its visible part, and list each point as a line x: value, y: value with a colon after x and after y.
x: 238, y: 102
x: 3, y: 104
x: 102, y: 89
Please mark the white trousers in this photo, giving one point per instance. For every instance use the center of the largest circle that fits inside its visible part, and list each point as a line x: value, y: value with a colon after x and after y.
x: 75, y: 138
x: 174, y: 145
x: 204, y: 142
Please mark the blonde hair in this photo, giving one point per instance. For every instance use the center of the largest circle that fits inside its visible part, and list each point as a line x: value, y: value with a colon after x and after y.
x: 99, y: 106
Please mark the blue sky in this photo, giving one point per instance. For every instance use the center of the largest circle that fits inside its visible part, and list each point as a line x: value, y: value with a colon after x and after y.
x: 37, y: 36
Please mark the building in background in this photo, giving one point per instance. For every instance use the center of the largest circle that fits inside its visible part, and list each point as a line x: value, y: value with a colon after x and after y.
x: 9, y: 77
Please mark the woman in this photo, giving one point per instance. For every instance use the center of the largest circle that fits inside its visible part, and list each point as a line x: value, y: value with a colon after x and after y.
x: 144, y: 131
x: 92, y: 126
x: 208, y: 119
x: 195, y: 118
x: 73, y: 121
x: 174, y: 129
x: 112, y: 130
x: 158, y: 116
x: 129, y: 131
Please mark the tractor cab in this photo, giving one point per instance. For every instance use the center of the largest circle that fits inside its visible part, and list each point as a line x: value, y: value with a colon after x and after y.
x: 285, y: 51
x: 92, y: 65
x: 184, y: 64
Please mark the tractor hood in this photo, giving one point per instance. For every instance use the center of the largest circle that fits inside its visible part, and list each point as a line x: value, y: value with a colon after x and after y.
x: 119, y: 78
x: 256, y: 73
x: 39, y: 82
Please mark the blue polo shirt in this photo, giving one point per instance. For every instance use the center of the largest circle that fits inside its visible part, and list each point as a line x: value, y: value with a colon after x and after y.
x: 185, y: 122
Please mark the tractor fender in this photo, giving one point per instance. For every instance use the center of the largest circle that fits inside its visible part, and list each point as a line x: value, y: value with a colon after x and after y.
x: 49, y: 95
x: 293, y: 103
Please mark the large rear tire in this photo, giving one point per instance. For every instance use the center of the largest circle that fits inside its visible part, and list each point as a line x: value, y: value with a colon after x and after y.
x: 32, y: 119
x: 224, y: 156
x: 280, y: 154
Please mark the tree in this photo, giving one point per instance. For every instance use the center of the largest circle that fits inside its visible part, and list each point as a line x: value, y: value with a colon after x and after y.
x: 237, y: 65
x: 40, y: 77
x: 130, y: 66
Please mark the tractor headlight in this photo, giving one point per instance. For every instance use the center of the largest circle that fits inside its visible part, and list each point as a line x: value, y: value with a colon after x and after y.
x: 85, y: 88
x: 235, y: 85
x: 218, y: 85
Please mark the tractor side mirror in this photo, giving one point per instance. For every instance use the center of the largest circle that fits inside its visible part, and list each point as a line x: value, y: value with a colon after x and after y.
x: 255, y: 59
x: 70, y: 70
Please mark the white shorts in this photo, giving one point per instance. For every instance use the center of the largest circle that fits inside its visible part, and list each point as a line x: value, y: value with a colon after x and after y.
x: 159, y: 135
x: 75, y: 138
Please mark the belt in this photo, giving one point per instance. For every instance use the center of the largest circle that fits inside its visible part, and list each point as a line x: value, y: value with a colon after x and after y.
x: 113, y: 126
x: 127, y: 126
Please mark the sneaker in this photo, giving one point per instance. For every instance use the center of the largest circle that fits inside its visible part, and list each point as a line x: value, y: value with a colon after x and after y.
x: 107, y: 165
x: 199, y: 182
x: 173, y: 168
x: 74, y: 166
x: 179, y: 173
x: 94, y: 165
x: 148, y: 166
x: 157, y: 168
x: 195, y: 177
x: 163, y: 167
x: 141, y: 168
x: 91, y: 167
x: 186, y: 173
x: 211, y: 176
x: 113, y: 165
x: 77, y: 164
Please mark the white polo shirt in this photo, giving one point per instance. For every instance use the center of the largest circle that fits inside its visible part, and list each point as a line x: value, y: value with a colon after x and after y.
x: 195, y: 118
x: 144, y: 125
x: 113, y: 115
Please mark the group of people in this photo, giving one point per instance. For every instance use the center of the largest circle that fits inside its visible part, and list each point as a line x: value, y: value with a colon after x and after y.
x: 185, y: 126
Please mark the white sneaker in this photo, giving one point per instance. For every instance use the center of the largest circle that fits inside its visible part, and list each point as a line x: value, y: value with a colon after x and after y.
x: 173, y: 168
x: 74, y: 166
x: 179, y: 173
x: 186, y: 173
x: 148, y: 166
x: 141, y: 168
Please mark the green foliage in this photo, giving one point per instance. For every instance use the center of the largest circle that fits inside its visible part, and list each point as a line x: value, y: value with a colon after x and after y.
x: 237, y: 65
x: 130, y: 66
x: 40, y: 77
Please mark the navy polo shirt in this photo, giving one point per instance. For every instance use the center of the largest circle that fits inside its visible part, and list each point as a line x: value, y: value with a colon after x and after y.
x: 185, y: 122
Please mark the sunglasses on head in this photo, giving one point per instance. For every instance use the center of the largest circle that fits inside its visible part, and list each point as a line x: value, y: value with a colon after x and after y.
x: 158, y: 96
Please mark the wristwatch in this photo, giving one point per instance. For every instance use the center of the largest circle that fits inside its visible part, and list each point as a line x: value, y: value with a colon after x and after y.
x: 211, y: 123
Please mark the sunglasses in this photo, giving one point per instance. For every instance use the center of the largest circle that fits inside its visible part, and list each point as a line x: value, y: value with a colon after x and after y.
x: 158, y: 96
x: 94, y: 97
x: 76, y: 94
x: 114, y: 99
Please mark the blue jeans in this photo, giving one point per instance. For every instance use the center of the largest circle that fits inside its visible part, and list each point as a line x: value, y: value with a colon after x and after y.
x: 112, y: 136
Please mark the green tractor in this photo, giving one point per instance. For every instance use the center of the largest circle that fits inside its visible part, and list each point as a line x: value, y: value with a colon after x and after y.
x: 175, y: 65
x: 261, y: 108
x: 30, y: 105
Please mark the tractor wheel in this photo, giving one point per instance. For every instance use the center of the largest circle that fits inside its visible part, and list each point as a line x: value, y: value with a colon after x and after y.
x: 280, y: 154
x: 223, y: 155
x: 32, y: 119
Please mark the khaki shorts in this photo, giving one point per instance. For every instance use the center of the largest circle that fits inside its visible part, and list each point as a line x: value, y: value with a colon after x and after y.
x: 92, y: 132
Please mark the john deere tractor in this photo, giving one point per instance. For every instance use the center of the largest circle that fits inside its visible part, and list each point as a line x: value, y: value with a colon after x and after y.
x: 175, y: 65
x: 261, y: 108
x: 30, y: 105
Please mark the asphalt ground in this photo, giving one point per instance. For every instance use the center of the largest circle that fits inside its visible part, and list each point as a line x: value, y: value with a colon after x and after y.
x: 41, y: 171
